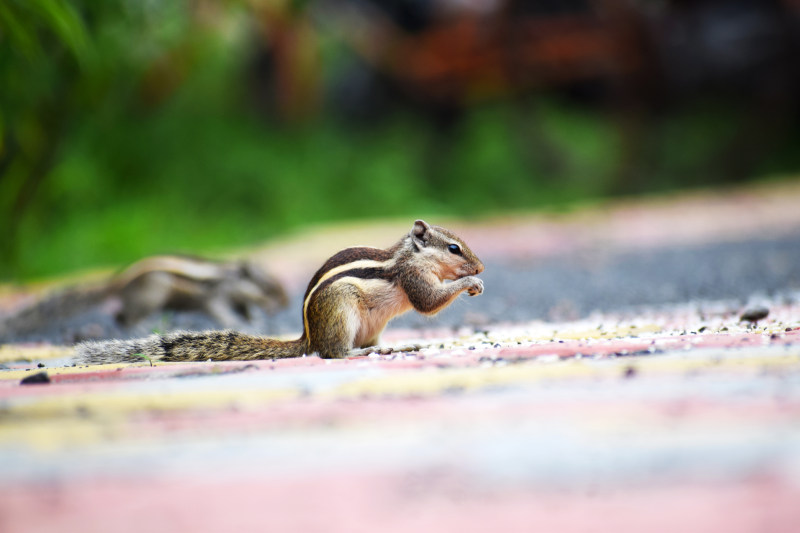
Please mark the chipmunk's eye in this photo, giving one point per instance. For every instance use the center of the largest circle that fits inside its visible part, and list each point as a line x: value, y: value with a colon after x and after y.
x: 454, y: 249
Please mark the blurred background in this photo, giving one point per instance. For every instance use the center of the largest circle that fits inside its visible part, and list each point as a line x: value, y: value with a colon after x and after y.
x: 134, y: 127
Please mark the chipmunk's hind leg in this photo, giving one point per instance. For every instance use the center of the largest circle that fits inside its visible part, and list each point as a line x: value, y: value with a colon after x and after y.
x: 143, y: 296
x: 334, y: 312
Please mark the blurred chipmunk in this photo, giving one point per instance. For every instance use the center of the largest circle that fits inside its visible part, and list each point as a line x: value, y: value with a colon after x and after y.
x: 229, y: 292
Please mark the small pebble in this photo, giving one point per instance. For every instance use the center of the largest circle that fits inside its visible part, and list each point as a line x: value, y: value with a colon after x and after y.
x: 754, y: 314
x: 35, y: 379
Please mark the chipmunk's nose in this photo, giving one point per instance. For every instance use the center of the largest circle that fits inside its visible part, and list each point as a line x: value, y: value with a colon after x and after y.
x: 478, y: 268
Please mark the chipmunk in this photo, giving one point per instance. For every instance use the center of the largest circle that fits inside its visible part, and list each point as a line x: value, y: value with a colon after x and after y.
x: 227, y: 291
x: 347, y: 304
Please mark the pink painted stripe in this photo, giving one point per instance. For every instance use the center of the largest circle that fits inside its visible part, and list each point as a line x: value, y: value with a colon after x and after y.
x: 459, y: 358
x: 440, y: 501
x: 633, y: 345
x: 375, y: 412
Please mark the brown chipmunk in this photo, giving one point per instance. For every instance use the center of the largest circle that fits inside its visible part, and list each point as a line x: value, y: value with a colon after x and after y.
x: 229, y: 292
x: 347, y: 304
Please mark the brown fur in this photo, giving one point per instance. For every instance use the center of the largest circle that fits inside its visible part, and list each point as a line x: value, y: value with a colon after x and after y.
x: 347, y: 304
x: 230, y: 292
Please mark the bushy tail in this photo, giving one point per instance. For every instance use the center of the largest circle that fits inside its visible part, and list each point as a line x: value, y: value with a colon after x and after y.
x: 189, y: 346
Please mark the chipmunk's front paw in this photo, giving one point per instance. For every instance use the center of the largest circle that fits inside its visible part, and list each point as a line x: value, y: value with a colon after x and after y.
x: 475, y: 286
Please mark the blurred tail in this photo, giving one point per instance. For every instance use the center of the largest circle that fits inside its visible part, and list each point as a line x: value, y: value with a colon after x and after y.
x: 190, y: 346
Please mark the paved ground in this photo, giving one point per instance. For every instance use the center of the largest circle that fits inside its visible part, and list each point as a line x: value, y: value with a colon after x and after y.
x: 736, y: 247
x: 605, y: 381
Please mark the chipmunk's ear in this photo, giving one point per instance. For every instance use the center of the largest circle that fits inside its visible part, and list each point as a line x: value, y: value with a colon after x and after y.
x: 420, y: 232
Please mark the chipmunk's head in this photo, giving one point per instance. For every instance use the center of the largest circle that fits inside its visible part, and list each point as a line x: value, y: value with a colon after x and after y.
x: 444, y: 252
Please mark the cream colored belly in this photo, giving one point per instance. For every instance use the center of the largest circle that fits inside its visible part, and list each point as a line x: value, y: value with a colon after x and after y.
x: 382, y: 301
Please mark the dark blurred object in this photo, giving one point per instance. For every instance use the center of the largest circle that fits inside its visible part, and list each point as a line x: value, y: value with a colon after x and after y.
x: 230, y: 293
x: 455, y: 53
x: 285, y: 69
x: 754, y: 314
x: 638, y: 58
x: 460, y: 53
x: 731, y: 46
x: 740, y: 52
x: 40, y: 378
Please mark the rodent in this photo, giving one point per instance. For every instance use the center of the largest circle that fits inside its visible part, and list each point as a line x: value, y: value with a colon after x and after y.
x: 347, y: 304
x: 227, y: 291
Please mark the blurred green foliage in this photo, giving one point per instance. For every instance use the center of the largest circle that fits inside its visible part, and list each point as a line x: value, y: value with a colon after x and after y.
x: 127, y: 129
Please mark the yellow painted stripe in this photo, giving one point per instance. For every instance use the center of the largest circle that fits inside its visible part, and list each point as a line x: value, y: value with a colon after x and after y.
x: 406, y: 383
x: 594, y: 333
x: 11, y: 352
x: 16, y: 375
x: 533, y: 371
x: 50, y: 422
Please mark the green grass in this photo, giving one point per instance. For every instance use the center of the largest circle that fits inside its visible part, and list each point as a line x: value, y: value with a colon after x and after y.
x: 200, y: 174
x: 159, y: 150
x: 193, y: 178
